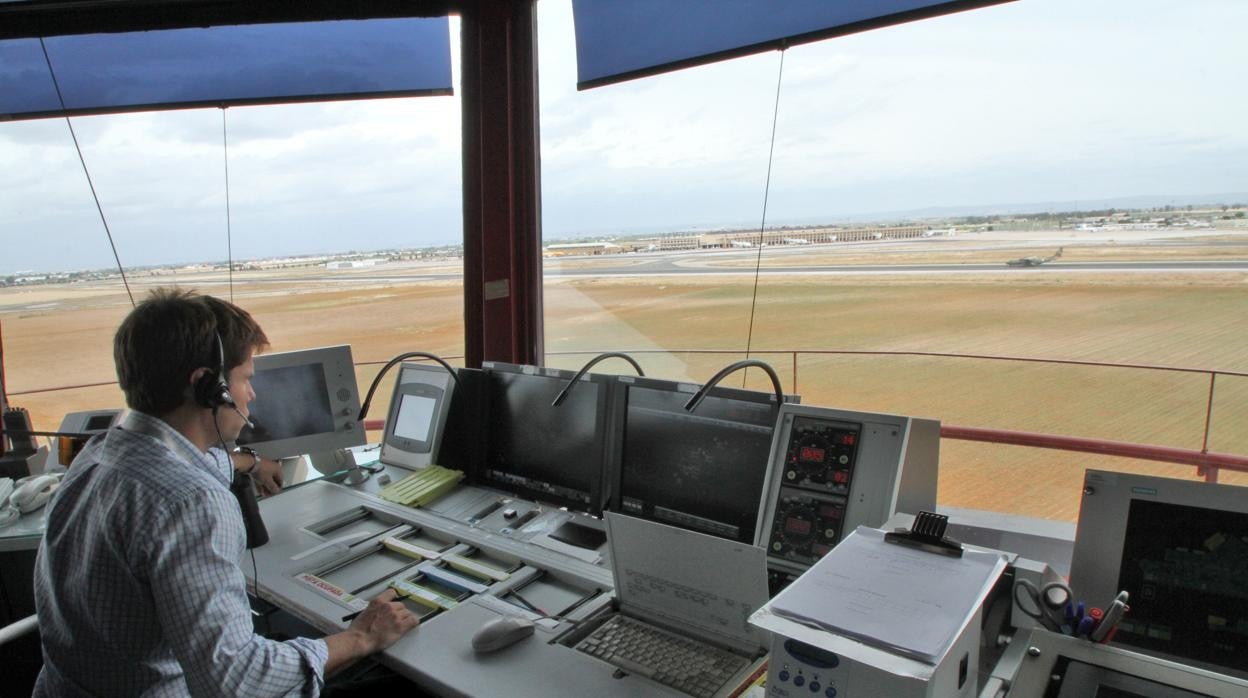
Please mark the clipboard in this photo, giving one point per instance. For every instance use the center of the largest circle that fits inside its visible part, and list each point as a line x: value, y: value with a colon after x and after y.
x: 911, y: 595
x: 927, y: 533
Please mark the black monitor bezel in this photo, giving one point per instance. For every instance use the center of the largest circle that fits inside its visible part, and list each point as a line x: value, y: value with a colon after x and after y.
x: 598, y: 453
x: 624, y: 384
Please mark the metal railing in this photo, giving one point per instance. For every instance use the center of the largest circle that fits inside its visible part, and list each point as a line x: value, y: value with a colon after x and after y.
x: 1207, y: 463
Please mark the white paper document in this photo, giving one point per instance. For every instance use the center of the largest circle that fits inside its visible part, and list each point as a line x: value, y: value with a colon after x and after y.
x: 903, y: 599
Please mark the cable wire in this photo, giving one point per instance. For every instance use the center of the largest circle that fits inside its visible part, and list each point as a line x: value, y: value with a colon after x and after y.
x: 57, y: 85
x: 229, y: 240
x: 758, y: 264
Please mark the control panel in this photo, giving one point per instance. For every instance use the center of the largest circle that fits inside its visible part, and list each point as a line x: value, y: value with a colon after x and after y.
x: 820, y: 455
x: 806, y: 527
x: 831, y: 471
x: 819, y: 459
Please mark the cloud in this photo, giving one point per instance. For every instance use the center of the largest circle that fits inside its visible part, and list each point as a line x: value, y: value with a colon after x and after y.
x: 1018, y: 102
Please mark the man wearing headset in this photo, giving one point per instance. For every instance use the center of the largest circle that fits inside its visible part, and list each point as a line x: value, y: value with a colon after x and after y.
x: 138, y: 585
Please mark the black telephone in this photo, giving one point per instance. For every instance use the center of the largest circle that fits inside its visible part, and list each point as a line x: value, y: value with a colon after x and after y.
x: 245, y: 492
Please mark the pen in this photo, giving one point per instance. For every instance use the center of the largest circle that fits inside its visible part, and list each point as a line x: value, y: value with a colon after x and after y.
x: 1097, y: 615
x: 1085, y: 626
x: 1112, y: 616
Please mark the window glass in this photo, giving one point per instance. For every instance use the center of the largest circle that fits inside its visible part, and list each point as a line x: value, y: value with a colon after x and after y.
x: 344, y: 226
x: 946, y: 201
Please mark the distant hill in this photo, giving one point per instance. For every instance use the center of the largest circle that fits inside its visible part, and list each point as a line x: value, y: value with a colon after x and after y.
x: 1120, y: 203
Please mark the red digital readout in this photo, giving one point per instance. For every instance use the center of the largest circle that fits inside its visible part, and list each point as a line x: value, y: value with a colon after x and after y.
x: 799, y: 527
x: 847, y: 439
x: 810, y: 454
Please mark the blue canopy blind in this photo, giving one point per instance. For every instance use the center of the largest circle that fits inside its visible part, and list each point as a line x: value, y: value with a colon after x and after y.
x: 227, y: 65
x: 619, y: 40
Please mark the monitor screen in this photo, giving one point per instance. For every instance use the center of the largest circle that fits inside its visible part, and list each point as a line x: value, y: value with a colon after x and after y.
x: 704, y: 470
x: 552, y: 454
x: 1185, y: 567
x: 306, y: 402
x: 415, y: 416
x: 1180, y: 550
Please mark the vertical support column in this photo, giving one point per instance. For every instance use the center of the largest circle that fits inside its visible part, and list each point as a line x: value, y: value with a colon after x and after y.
x: 502, y: 183
x: 4, y: 395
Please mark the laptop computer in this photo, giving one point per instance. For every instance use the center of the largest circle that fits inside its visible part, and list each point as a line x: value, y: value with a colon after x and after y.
x: 689, y: 597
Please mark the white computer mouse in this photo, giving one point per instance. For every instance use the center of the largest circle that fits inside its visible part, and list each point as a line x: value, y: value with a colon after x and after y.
x: 34, y: 492
x: 500, y: 633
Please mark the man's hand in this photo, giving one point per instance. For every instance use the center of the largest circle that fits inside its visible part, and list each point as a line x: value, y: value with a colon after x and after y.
x: 384, y: 621
x: 268, y: 476
x: 378, y: 626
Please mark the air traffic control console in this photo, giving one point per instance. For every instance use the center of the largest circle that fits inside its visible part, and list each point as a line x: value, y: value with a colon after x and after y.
x: 834, y: 470
x: 522, y: 534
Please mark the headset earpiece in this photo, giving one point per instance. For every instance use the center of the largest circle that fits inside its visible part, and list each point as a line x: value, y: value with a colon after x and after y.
x: 210, y: 389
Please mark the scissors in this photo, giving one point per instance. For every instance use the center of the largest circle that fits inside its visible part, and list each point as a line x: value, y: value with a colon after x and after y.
x: 1044, y: 604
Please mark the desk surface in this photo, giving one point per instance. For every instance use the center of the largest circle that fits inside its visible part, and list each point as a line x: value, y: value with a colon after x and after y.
x: 23, y: 533
x: 438, y: 656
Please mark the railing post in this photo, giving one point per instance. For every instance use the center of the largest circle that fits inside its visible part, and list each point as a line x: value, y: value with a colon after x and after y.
x: 1204, y: 444
x: 795, y: 373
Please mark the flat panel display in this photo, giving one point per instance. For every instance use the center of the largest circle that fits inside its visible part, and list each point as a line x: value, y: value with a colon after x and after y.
x: 1179, y: 548
x: 307, y: 402
x: 417, y: 418
x: 552, y: 454
x: 704, y: 470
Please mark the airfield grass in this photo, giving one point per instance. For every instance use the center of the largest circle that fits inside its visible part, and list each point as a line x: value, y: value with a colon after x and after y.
x: 61, y: 336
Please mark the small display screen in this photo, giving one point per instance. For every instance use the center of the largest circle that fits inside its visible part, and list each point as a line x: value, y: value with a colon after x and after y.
x: 799, y: 527
x: 812, y: 454
x: 1183, y: 567
x: 415, y: 417
x: 580, y: 536
x: 100, y: 422
x: 290, y: 401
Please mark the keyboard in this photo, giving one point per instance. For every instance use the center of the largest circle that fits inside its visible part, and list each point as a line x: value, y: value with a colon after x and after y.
x: 684, y: 664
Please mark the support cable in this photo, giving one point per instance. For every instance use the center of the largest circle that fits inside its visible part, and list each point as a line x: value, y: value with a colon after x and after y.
x: 85, y: 171
x: 758, y: 264
x: 229, y: 240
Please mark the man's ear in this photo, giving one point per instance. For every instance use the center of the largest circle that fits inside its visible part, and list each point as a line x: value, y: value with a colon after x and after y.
x: 192, y: 384
x: 195, y: 376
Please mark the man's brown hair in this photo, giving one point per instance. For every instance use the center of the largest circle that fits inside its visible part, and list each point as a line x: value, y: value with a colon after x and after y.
x: 170, y: 334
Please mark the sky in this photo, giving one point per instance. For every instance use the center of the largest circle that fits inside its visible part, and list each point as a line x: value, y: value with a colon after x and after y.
x: 1031, y: 101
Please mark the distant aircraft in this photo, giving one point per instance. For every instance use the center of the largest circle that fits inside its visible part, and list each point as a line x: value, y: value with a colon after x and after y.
x: 1034, y: 261
x: 741, y: 243
x: 796, y: 241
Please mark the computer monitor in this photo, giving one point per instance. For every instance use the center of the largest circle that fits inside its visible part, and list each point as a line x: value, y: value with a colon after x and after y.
x: 542, y: 452
x: 700, y: 470
x: 419, y: 407
x: 307, y: 402
x: 1180, y: 549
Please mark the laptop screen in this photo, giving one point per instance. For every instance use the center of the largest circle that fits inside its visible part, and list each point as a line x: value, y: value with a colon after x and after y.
x: 704, y: 584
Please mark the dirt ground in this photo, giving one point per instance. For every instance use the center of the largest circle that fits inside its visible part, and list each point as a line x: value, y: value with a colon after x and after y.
x: 57, y: 339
